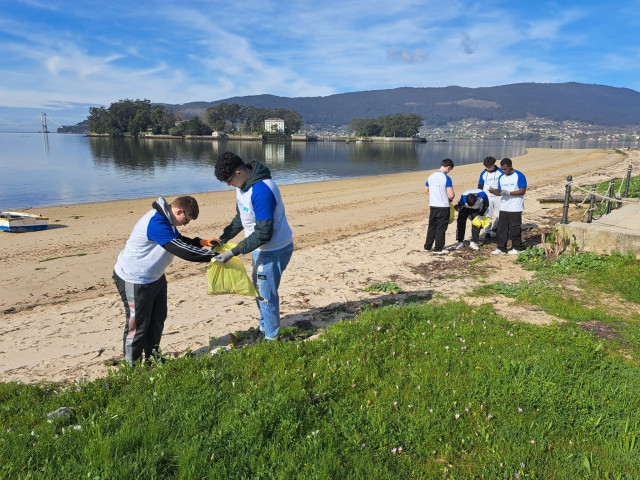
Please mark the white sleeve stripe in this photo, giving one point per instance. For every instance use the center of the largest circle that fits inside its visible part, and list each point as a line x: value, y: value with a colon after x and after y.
x: 186, y: 246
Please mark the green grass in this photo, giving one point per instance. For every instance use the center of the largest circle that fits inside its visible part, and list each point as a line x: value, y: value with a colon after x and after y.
x: 386, y: 287
x: 420, y: 391
x: 634, y: 187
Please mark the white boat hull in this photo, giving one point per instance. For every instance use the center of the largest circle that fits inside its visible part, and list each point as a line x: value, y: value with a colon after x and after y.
x: 22, y: 222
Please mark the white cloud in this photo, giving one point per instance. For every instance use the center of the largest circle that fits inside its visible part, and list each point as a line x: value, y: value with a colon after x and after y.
x: 178, y: 52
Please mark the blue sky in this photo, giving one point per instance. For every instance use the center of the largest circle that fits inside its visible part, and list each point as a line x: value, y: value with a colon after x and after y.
x: 63, y: 56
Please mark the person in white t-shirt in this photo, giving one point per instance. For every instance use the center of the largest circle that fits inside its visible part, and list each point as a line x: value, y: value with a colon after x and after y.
x: 489, y: 179
x: 439, y: 187
x: 512, y: 186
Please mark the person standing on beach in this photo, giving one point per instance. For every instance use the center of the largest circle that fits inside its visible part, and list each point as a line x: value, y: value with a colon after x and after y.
x: 489, y: 179
x: 139, y: 271
x: 512, y: 186
x: 439, y: 187
x: 261, y: 213
x: 473, y: 203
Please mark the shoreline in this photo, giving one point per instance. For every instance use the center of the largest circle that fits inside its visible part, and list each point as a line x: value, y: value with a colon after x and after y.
x: 61, y: 317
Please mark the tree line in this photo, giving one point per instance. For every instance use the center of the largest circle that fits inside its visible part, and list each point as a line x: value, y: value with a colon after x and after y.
x: 396, y: 125
x: 230, y: 117
x: 135, y: 117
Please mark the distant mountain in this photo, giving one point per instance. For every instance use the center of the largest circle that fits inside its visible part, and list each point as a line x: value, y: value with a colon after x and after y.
x: 594, y: 104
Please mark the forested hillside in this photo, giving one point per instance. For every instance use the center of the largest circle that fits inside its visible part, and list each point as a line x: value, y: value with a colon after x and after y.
x: 595, y: 104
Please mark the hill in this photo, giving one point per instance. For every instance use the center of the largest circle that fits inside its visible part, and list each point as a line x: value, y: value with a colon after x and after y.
x: 593, y: 104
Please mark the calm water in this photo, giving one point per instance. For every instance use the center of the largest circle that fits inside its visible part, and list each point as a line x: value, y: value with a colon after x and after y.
x: 56, y: 169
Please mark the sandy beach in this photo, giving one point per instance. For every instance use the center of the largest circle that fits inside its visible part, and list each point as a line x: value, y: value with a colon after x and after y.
x: 61, y: 318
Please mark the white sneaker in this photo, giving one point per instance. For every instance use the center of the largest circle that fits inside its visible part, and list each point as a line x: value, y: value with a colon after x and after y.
x: 474, y: 246
x: 457, y: 246
x: 513, y: 251
x: 497, y: 251
x: 440, y: 252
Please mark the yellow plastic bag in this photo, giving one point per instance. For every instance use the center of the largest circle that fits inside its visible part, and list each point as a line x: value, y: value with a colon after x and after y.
x: 482, y: 222
x: 452, y: 213
x: 230, y: 277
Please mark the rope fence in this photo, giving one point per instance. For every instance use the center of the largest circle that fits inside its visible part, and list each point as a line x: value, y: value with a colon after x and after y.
x: 597, y: 202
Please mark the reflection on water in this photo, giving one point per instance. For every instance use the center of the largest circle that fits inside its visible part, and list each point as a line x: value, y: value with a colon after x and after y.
x: 78, y: 169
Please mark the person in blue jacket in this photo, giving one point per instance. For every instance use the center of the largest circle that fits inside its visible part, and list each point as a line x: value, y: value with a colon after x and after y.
x: 473, y: 203
x: 139, y: 271
x: 261, y: 214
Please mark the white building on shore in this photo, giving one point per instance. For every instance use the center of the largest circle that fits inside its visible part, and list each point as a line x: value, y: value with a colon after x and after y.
x: 274, y: 125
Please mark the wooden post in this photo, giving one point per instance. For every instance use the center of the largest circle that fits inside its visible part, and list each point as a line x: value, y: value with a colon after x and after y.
x: 627, y: 182
x: 592, y: 201
x: 567, y: 196
x: 610, y: 195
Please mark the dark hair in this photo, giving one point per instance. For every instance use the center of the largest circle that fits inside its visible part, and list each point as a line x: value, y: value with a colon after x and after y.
x: 227, y: 164
x: 488, y: 161
x: 471, y: 199
x: 447, y: 162
x: 507, y: 162
x: 188, y: 204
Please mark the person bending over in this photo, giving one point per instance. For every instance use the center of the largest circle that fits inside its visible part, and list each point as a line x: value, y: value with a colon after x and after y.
x: 473, y: 203
x: 139, y: 271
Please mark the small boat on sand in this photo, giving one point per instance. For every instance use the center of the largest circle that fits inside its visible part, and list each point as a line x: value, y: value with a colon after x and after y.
x: 22, y: 222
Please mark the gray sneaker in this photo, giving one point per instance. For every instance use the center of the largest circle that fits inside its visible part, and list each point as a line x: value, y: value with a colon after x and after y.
x: 497, y: 251
x: 474, y: 246
x: 457, y: 246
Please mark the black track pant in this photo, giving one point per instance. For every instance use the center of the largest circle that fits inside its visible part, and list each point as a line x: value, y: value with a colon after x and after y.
x: 463, y: 215
x: 510, y: 227
x: 438, y: 223
x: 145, y: 306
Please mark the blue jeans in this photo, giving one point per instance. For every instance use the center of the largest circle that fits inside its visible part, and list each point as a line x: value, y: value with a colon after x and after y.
x: 267, y: 272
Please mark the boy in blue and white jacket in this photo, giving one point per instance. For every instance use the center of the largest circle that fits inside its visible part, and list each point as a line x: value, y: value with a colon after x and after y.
x: 261, y: 214
x: 473, y: 203
x: 139, y: 271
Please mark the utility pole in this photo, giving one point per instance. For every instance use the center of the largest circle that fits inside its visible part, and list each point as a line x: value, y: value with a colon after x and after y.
x: 43, y: 119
